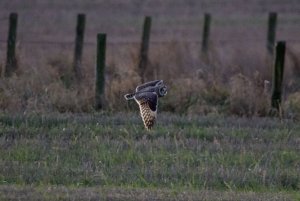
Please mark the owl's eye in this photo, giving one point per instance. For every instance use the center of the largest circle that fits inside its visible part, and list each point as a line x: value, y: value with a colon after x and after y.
x: 163, y: 91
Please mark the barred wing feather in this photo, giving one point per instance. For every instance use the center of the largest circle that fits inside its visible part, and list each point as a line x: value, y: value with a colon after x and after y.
x: 147, y: 102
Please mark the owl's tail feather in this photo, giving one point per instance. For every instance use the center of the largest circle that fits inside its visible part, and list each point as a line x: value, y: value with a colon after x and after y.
x: 129, y: 96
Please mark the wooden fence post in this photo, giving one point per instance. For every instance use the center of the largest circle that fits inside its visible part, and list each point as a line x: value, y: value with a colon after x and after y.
x: 11, y: 60
x: 206, y: 29
x: 143, y: 60
x: 79, y: 46
x: 278, y: 76
x: 271, y: 32
x: 100, y: 70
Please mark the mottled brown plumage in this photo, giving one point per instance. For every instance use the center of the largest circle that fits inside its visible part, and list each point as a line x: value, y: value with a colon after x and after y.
x: 147, y: 114
x: 146, y: 96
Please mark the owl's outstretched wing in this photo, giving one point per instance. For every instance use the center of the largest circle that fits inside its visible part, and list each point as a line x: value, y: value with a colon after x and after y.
x: 148, y: 84
x: 147, y: 102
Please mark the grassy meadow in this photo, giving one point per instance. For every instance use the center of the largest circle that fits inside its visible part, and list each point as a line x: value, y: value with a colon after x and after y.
x: 111, y: 156
x: 215, y: 138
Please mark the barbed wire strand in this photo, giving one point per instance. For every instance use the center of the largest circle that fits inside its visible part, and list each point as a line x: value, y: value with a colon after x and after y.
x: 44, y: 42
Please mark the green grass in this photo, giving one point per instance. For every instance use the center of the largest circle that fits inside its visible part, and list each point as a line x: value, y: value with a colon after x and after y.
x: 197, y: 153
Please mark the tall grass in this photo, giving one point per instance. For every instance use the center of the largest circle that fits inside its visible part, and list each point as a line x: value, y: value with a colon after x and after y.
x: 229, y: 80
x: 231, y: 83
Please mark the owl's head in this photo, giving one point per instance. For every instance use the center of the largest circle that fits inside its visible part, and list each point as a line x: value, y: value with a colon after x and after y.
x: 161, y: 90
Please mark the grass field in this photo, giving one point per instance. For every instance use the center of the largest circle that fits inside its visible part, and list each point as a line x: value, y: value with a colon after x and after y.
x: 112, y: 157
x: 54, y: 146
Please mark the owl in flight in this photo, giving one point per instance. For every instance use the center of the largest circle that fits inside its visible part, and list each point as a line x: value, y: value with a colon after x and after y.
x: 146, y: 96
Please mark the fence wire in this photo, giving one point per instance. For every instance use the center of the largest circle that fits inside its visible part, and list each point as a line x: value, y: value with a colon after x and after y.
x: 90, y: 43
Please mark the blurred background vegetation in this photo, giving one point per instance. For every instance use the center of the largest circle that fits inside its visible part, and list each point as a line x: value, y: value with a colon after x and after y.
x: 230, y: 79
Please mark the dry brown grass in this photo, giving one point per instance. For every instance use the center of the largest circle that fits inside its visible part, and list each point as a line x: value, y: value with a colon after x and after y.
x: 248, y: 97
x: 196, y: 85
x: 230, y: 79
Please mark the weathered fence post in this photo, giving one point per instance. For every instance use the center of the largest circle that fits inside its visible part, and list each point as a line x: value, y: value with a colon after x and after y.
x: 11, y: 60
x: 206, y: 29
x: 278, y: 75
x: 100, y: 70
x: 79, y: 46
x: 271, y: 32
x: 143, y: 60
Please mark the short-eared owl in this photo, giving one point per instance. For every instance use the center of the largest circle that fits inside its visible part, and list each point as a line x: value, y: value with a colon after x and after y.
x: 146, y: 96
